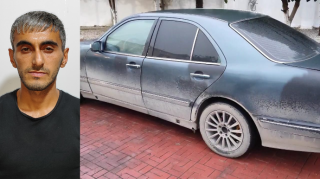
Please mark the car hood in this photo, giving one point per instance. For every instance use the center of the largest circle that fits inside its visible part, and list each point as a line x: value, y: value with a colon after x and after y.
x: 313, y: 63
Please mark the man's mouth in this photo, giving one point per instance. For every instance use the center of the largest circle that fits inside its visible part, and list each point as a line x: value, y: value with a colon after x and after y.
x: 37, y: 73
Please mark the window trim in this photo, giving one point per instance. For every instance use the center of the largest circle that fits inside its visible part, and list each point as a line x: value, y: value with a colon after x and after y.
x: 185, y: 61
x: 211, y: 44
x: 194, y: 43
x: 125, y: 54
x: 157, y: 31
x: 103, y: 40
x: 251, y: 43
x: 209, y: 37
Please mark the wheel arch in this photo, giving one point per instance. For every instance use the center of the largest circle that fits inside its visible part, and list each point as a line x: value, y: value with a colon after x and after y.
x: 231, y: 102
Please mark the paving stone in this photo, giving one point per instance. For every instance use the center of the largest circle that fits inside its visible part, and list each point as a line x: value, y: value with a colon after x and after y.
x: 160, y: 149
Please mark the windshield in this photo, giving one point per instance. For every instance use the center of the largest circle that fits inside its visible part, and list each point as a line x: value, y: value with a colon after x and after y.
x: 277, y: 40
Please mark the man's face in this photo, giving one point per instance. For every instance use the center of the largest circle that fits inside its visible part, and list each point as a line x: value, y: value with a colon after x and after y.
x: 38, y: 57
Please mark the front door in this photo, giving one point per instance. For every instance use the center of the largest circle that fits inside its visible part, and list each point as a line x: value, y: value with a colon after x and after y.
x: 115, y: 73
x: 182, y: 65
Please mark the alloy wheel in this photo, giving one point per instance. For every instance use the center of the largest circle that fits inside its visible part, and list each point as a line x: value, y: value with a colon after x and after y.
x: 223, y: 131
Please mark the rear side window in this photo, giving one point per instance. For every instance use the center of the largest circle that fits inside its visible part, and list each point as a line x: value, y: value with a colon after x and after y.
x: 277, y: 40
x: 204, y: 50
x: 174, y: 40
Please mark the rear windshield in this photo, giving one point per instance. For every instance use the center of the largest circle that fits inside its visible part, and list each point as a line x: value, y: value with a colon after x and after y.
x: 277, y: 40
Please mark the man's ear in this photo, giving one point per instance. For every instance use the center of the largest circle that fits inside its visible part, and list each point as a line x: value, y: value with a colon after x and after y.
x: 65, y: 58
x: 11, y: 54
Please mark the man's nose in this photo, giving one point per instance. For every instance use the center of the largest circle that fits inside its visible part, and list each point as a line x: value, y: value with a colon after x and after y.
x: 38, y: 60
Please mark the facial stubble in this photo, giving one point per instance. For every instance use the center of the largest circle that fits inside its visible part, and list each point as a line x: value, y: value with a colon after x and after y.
x: 37, y: 86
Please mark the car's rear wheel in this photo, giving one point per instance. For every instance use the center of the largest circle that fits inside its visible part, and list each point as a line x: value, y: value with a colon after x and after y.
x: 226, y: 130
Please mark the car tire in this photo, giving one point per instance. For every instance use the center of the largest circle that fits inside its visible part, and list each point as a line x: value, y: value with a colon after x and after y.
x: 236, y: 133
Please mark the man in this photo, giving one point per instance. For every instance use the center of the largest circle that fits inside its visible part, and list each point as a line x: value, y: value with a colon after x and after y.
x: 39, y: 124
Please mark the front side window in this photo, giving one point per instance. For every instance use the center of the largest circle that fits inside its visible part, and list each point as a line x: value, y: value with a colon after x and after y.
x: 277, y: 40
x: 174, y: 40
x: 130, y: 38
x: 204, y: 50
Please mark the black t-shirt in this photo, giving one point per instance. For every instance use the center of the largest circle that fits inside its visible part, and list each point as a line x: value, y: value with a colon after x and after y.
x: 40, y: 148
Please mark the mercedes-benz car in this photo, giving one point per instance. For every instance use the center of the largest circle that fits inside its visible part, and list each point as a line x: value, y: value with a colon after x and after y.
x: 237, y: 76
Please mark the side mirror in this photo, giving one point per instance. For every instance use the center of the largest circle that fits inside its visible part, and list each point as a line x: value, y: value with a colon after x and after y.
x: 96, y: 46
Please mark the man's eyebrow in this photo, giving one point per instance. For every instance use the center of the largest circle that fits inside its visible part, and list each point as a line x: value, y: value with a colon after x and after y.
x: 23, y: 43
x: 49, y: 42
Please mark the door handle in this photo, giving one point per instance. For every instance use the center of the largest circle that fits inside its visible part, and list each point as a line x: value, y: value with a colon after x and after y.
x: 197, y: 75
x: 132, y: 65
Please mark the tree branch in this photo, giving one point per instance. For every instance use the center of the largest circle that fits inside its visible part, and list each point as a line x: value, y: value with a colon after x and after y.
x: 294, y: 10
x: 285, y: 7
x: 285, y: 10
x: 199, y: 3
x: 162, y: 4
x: 113, y: 11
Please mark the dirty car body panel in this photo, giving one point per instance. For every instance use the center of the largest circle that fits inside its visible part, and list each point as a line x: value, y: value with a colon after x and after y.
x: 171, y: 85
x: 281, y: 98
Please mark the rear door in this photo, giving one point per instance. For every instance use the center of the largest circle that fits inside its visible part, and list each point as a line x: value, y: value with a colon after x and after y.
x: 181, y: 63
x: 114, y: 74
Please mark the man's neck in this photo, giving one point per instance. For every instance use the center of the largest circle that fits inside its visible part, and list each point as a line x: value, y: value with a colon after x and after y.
x: 37, y: 103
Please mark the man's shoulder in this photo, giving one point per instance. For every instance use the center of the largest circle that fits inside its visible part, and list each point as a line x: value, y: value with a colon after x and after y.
x: 69, y: 107
x: 70, y: 100
x: 7, y: 101
x: 8, y: 97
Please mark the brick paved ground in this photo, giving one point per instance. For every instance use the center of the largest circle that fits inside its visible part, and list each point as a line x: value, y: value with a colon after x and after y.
x: 121, y: 143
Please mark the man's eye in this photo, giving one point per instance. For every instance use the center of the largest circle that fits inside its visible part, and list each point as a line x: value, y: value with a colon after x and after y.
x: 48, y: 49
x: 25, y: 49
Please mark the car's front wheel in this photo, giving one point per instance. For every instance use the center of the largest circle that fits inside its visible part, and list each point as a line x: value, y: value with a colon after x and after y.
x: 226, y: 130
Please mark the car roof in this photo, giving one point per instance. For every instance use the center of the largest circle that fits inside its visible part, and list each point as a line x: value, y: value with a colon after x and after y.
x: 227, y: 15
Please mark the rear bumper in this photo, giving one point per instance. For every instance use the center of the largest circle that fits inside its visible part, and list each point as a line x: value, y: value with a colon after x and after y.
x: 289, y: 135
